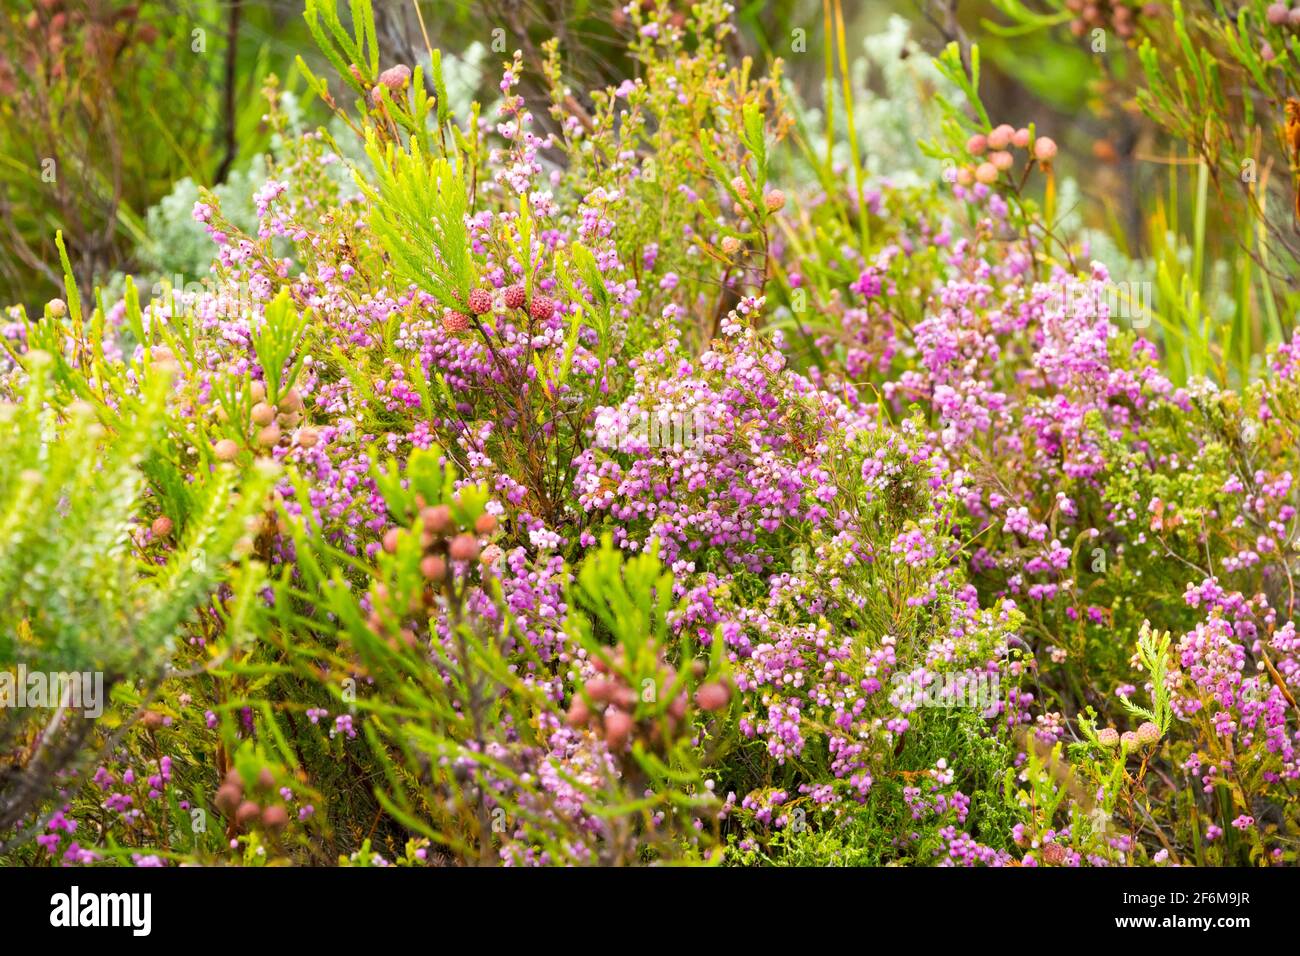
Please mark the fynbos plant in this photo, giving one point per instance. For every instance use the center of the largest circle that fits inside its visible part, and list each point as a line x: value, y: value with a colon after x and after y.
x: 643, y: 475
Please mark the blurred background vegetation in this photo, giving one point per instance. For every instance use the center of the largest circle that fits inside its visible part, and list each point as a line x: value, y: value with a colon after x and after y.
x: 113, y: 113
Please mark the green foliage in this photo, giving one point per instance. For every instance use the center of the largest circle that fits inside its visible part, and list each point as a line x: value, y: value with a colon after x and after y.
x: 70, y: 581
x: 1153, y: 653
x: 388, y: 589
x: 453, y: 727
x: 80, y: 592
x: 419, y: 205
x: 343, y: 49
x: 1215, y: 79
x: 278, y: 344
x: 103, y: 106
x: 624, y: 625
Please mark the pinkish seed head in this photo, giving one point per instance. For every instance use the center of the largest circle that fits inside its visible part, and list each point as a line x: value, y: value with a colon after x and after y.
x: 454, y: 322
x: 480, y: 301
x: 541, y: 308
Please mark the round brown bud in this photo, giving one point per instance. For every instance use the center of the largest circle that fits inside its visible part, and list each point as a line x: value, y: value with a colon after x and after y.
x: 225, y: 450
x: 712, y: 696
x: 227, y: 799
x: 618, y: 728
x: 579, y: 712
x: 601, y: 689
x: 275, y: 817
x: 464, y: 547
x: 436, y: 518
x: 269, y: 436
x: 433, y: 567
x: 485, y: 524
x: 161, y: 527
x: 248, y: 812
x: 291, y: 401
x: 262, y: 414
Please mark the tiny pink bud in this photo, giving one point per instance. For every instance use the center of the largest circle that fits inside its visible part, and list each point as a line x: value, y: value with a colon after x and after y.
x: 1000, y: 138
